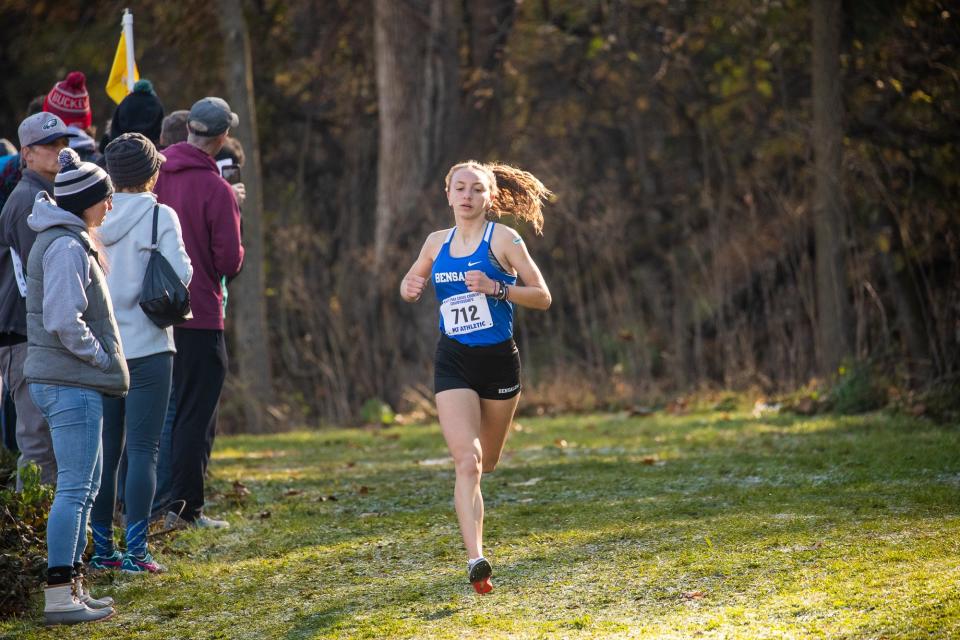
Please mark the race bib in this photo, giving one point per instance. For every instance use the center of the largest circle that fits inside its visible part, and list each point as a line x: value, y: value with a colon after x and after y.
x: 465, y: 313
x: 18, y: 273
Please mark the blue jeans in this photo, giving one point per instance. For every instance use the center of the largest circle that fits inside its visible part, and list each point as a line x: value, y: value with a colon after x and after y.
x: 75, y: 416
x: 136, y: 419
x: 161, y: 499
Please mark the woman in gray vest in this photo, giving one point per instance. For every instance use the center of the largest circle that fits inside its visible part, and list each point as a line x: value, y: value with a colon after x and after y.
x: 74, y: 359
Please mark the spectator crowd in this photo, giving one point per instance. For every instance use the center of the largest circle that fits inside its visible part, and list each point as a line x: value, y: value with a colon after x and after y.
x: 117, y: 410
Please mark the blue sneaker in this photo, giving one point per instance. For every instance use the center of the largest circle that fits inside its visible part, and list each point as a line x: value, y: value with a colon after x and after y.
x: 101, y: 563
x: 141, y: 564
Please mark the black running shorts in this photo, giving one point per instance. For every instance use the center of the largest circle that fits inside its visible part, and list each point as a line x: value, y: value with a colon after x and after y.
x: 492, y: 371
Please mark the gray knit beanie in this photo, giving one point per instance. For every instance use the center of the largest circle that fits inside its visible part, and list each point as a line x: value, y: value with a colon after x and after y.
x: 132, y: 159
x: 79, y: 185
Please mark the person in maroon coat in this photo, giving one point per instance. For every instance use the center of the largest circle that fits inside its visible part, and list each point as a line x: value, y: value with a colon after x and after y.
x: 190, y: 183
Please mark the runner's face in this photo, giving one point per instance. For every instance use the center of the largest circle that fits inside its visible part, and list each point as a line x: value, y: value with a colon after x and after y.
x: 469, y: 193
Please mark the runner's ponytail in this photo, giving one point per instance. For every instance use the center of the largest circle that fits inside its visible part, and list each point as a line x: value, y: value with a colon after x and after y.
x: 519, y: 193
x: 514, y: 192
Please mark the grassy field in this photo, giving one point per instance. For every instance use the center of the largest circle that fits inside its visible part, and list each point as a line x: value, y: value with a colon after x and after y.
x: 709, y: 525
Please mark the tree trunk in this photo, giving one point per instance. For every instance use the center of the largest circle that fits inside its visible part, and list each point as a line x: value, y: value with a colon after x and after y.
x: 680, y: 319
x: 833, y: 305
x: 247, y: 290
x: 908, y: 299
x: 417, y: 88
x: 487, y: 26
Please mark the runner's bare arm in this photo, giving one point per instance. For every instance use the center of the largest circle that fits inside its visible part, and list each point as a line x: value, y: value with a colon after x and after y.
x: 513, y: 255
x: 412, y: 285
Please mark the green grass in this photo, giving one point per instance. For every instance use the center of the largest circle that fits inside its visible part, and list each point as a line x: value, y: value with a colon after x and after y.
x: 703, y: 526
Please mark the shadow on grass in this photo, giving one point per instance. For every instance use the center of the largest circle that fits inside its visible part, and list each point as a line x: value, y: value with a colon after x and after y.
x: 853, y: 469
x: 849, y: 467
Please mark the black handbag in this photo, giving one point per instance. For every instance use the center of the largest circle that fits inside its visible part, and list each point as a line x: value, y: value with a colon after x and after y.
x: 163, y: 297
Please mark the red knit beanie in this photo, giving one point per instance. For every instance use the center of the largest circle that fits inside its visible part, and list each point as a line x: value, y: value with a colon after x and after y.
x: 70, y: 101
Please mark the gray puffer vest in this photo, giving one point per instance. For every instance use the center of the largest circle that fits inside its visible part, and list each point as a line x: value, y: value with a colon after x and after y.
x: 48, y: 361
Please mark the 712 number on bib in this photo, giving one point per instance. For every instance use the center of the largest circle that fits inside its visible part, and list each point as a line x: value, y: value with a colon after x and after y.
x: 465, y: 313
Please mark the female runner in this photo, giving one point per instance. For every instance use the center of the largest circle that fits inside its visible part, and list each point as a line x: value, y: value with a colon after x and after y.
x: 474, y: 268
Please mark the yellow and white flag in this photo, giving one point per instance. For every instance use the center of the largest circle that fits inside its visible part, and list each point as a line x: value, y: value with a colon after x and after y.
x: 117, y: 85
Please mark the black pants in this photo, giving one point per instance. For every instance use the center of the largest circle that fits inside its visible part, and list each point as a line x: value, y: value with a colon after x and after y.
x: 8, y: 421
x: 199, y: 369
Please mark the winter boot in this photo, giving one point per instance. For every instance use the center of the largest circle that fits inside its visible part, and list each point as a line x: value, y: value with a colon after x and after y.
x: 83, y: 594
x: 63, y: 607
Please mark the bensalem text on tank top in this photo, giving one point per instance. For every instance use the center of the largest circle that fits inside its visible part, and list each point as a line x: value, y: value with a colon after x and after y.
x: 470, y: 317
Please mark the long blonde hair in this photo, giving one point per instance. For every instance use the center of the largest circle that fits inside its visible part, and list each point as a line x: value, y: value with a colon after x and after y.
x: 513, y: 191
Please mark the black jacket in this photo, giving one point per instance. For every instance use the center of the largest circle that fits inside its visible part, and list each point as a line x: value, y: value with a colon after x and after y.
x: 15, y: 233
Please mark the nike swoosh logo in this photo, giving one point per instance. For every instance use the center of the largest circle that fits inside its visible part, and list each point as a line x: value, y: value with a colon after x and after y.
x: 470, y: 264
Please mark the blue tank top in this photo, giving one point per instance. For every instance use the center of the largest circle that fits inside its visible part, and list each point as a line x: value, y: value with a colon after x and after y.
x: 471, y: 318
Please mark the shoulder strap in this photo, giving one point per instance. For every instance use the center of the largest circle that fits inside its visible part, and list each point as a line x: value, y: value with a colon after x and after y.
x: 79, y: 237
x: 84, y: 242
x: 449, y: 235
x: 489, y: 232
x: 153, y: 238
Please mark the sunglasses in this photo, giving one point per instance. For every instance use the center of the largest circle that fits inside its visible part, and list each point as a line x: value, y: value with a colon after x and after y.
x: 56, y: 145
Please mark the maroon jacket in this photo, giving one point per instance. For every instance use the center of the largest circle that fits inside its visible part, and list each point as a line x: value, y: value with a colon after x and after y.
x: 210, y: 219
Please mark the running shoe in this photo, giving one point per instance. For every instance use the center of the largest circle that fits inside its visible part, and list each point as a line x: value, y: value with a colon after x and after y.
x: 204, y: 521
x: 141, y: 564
x: 101, y: 563
x: 480, y: 571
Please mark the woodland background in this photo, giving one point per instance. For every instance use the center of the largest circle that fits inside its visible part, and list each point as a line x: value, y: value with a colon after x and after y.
x: 749, y: 194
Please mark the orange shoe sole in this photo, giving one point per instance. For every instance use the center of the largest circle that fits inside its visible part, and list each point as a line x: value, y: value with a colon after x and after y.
x: 482, y: 586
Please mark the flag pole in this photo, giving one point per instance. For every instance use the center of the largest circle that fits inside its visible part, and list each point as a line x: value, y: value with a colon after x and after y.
x: 128, y: 36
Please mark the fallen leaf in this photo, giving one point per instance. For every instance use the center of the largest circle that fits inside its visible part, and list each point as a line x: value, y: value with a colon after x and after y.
x: 694, y: 595
x: 528, y: 483
x: 363, y: 490
x: 351, y: 464
x: 517, y: 426
x: 560, y: 442
x: 649, y: 460
x: 678, y: 407
x: 263, y: 515
x: 240, y: 489
x: 806, y: 406
x: 292, y: 492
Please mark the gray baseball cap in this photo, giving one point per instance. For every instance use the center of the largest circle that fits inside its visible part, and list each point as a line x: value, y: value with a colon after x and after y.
x: 211, y: 116
x: 42, y: 128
